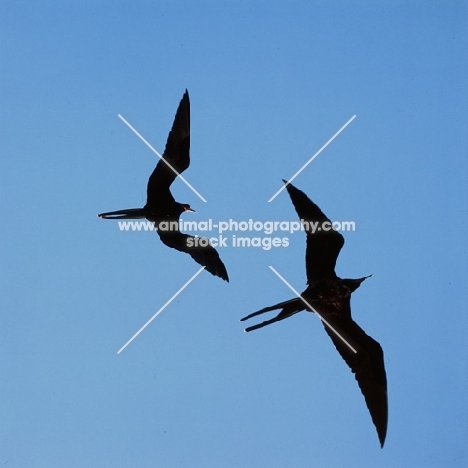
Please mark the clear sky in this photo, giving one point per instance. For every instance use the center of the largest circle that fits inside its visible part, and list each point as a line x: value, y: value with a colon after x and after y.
x: 270, y: 83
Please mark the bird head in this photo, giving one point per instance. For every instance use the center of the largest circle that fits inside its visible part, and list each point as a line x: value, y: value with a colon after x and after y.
x: 187, y: 207
x: 353, y: 284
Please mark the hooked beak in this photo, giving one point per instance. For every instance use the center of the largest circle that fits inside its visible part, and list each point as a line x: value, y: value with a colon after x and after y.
x: 132, y: 213
x: 353, y: 284
x: 361, y: 280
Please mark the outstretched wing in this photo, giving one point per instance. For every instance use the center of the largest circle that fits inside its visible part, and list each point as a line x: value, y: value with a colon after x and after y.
x: 367, y: 364
x: 176, y: 154
x: 323, y: 245
x: 199, y: 249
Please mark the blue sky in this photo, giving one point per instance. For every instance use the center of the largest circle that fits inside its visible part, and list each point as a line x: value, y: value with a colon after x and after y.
x: 270, y: 82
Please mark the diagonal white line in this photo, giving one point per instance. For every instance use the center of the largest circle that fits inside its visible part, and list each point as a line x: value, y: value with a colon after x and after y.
x: 312, y: 158
x: 311, y: 308
x: 160, y: 157
x: 160, y: 310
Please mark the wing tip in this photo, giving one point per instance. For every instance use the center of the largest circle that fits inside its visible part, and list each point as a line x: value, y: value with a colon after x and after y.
x: 382, y: 435
x: 219, y: 271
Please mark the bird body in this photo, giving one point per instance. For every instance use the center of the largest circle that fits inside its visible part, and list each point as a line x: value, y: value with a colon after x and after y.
x: 330, y: 297
x: 162, y: 209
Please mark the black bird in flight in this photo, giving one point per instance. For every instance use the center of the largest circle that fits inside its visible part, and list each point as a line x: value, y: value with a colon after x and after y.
x: 161, y: 208
x: 330, y: 296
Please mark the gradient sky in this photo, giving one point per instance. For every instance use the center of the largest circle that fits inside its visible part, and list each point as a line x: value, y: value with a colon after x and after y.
x: 270, y: 82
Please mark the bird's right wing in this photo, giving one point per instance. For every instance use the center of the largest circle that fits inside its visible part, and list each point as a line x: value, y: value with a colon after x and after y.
x: 367, y: 364
x: 323, y: 246
x: 176, y: 154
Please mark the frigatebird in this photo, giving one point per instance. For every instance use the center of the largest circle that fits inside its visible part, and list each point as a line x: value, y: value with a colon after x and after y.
x: 161, y: 208
x: 330, y: 296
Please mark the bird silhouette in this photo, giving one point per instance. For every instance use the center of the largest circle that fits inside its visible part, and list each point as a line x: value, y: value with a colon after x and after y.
x: 161, y: 208
x: 330, y: 296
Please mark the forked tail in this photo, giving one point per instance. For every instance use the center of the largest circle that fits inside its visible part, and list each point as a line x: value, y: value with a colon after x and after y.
x: 130, y: 213
x: 291, y: 307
